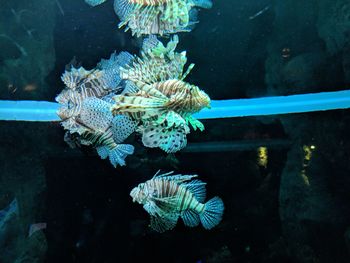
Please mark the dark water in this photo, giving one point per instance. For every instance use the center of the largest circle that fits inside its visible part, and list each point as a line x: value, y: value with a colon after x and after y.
x: 292, y: 207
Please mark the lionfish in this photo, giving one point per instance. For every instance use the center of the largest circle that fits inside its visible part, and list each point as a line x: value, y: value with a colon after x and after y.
x: 145, y: 17
x: 158, y: 97
x: 85, y: 108
x: 167, y: 197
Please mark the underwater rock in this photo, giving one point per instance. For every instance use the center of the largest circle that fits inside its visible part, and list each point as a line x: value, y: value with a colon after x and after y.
x: 309, y: 207
x: 333, y: 24
x: 299, y: 73
x: 23, y: 176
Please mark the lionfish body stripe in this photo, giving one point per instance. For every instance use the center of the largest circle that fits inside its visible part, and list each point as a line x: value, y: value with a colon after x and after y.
x: 168, y: 197
x: 183, y: 96
x: 100, y: 138
x: 162, y: 188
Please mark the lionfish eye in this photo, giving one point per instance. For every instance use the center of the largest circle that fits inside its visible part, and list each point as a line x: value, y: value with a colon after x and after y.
x: 70, y: 104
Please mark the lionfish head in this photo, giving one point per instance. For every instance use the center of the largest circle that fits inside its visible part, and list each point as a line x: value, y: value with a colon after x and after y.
x: 139, y: 194
x: 201, y: 99
x: 66, y: 101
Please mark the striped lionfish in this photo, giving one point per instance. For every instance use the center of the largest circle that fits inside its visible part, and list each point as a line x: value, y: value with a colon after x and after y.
x: 85, y: 108
x: 167, y: 197
x: 145, y: 17
x: 159, y: 97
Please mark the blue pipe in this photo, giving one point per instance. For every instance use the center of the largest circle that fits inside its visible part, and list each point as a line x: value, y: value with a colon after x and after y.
x: 46, y: 111
x: 27, y: 110
x: 277, y: 105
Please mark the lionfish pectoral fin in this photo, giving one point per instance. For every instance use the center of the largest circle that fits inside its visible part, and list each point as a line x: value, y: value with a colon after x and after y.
x: 159, y: 175
x: 112, y: 69
x: 172, y: 119
x: 151, y: 208
x: 189, y: 69
x: 190, y: 218
x: 136, y: 103
x: 130, y: 88
x: 196, y: 124
x: 180, y: 178
x: 73, y: 126
x: 150, y: 43
x: 162, y: 224
x: 75, y: 76
x: 122, y: 127
x: 168, y: 139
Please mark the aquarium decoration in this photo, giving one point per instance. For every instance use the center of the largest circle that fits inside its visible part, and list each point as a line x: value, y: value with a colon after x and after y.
x: 160, y: 17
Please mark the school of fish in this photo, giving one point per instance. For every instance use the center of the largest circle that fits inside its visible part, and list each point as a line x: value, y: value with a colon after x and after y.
x: 126, y: 94
x: 146, y: 94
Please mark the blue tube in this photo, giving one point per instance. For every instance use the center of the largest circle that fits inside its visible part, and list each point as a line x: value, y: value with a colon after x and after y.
x: 277, y: 105
x: 46, y: 111
x: 27, y: 110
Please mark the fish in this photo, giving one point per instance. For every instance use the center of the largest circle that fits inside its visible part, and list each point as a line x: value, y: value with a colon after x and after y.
x: 168, y: 197
x: 145, y: 17
x: 160, y: 17
x: 158, y: 97
x: 105, y: 132
x: 111, y: 68
x: 81, y: 84
x: 170, y: 140
x: 85, y: 108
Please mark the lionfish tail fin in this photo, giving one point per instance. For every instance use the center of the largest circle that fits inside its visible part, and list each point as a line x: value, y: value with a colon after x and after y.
x: 118, y: 154
x: 190, y: 218
x: 212, y: 214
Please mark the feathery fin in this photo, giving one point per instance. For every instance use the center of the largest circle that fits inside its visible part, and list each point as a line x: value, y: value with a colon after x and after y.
x: 212, y: 214
x: 197, y: 188
x: 190, y: 218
